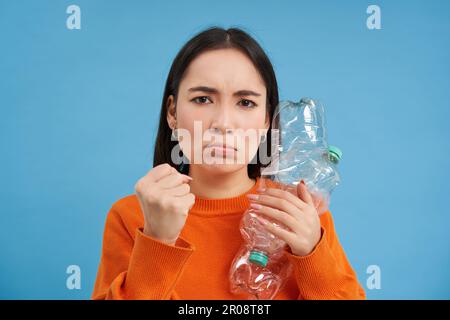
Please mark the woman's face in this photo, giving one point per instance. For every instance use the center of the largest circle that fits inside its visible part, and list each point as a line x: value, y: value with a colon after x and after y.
x: 221, y: 100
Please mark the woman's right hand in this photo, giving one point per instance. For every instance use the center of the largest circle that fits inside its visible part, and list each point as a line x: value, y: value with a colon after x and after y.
x: 165, y: 199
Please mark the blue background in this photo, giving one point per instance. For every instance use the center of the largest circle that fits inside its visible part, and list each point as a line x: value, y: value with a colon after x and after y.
x: 79, y: 112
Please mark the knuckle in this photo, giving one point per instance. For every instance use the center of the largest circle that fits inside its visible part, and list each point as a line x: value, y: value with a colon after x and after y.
x: 165, y: 165
x: 166, y: 168
x: 138, y: 187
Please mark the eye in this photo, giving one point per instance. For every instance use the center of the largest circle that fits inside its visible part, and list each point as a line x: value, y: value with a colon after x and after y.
x: 201, y: 100
x: 247, y: 103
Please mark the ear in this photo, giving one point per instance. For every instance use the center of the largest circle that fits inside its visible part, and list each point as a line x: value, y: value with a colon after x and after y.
x: 171, y: 112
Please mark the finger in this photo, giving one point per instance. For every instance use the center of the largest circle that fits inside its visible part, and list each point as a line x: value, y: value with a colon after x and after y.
x: 188, y: 200
x: 277, y: 231
x: 275, y: 202
x: 303, y: 193
x: 173, y: 180
x: 160, y: 171
x: 288, y: 196
x: 277, y: 215
x: 179, y: 190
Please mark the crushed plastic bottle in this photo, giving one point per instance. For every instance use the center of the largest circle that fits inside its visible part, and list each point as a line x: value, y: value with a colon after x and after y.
x: 318, y: 168
x: 300, y: 152
x: 260, y: 268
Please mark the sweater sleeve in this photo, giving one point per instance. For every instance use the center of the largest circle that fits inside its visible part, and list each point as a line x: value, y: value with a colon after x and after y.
x: 143, y: 268
x: 326, y: 273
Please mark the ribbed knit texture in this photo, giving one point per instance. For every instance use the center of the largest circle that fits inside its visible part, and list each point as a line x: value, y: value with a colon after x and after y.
x: 136, y: 266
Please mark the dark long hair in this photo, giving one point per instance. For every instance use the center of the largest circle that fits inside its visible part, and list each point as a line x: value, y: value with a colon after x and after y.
x: 210, y: 39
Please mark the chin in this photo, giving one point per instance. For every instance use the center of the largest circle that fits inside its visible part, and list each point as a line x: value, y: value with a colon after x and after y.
x: 222, y: 168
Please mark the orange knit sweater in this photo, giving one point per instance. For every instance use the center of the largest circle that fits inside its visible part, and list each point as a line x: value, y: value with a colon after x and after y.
x: 136, y: 266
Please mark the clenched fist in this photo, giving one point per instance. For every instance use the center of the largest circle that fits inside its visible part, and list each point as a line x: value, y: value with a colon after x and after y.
x: 165, y: 199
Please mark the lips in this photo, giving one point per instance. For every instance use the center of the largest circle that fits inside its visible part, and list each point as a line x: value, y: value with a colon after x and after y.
x: 221, y: 150
x: 222, y: 146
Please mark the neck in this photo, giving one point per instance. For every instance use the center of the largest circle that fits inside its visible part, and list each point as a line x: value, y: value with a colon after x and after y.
x: 211, y: 185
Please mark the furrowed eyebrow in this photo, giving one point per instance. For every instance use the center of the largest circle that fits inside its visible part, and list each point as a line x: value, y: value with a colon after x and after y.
x: 246, y: 93
x: 203, y: 89
x: 215, y: 91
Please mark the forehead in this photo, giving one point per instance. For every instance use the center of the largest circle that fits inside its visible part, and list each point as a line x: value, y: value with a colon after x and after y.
x: 223, y: 69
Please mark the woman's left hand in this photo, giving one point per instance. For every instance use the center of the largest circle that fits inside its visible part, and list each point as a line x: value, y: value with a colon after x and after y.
x: 297, y: 213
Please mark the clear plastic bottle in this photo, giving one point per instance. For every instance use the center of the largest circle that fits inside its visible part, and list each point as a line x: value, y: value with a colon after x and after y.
x: 319, y: 170
x: 302, y: 150
x: 260, y: 267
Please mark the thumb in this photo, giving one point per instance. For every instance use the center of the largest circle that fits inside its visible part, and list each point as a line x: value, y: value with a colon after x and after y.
x: 303, y: 193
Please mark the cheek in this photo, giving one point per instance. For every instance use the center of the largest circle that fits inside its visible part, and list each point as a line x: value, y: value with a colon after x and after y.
x: 193, y: 137
x: 186, y: 117
x: 186, y: 141
x: 254, y: 126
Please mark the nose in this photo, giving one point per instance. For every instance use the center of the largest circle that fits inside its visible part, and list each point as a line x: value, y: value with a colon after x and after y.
x: 223, y: 121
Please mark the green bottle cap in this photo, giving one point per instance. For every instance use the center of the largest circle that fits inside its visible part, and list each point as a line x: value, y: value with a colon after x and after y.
x: 335, y: 151
x: 259, y: 258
